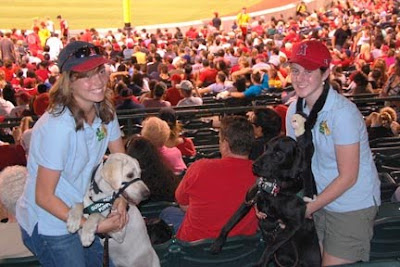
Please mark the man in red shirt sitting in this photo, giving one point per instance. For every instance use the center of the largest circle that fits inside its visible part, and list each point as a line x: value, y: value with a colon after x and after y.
x: 207, y: 75
x: 213, y: 189
x: 173, y: 94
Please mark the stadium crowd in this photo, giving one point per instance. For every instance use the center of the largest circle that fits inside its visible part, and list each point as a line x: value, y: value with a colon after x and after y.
x: 150, y: 66
x: 171, y: 68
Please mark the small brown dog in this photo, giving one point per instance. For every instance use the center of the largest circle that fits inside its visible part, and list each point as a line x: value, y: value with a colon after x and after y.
x: 382, y: 124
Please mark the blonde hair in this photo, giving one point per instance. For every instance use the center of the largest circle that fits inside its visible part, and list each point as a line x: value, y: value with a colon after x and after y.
x: 365, y: 48
x: 156, y: 130
x: 61, y: 97
x: 175, y: 130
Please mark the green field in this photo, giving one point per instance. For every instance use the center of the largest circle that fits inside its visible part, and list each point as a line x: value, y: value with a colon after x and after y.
x: 83, y: 14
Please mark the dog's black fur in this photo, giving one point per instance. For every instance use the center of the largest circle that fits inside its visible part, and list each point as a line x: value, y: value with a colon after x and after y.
x: 291, y: 239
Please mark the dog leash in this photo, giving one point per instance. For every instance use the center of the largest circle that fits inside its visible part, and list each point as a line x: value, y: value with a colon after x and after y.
x: 106, y: 254
x: 273, y: 188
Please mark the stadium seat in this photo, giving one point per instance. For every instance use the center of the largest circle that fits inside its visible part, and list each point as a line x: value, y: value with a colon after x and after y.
x: 22, y: 262
x: 385, y: 243
x: 205, y: 136
x: 388, y: 186
x: 197, y: 124
x: 385, y: 142
x: 238, y: 251
x: 152, y: 209
x: 376, y: 263
x: 387, y: 159
x: 396, y: 176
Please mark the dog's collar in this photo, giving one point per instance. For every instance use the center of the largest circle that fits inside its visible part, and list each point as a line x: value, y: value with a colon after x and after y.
x: 107, y: 202
x: 268, y: 187
x: 124, y: 186
x: 99, y: 206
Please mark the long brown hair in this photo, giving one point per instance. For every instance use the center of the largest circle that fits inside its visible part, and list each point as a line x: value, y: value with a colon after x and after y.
x: 61, y: 97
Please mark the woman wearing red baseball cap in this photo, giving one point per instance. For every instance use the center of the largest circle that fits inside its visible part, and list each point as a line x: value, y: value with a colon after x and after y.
x: 348, y: 188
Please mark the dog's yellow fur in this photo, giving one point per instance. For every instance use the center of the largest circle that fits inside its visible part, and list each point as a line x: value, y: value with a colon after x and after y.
x: 386, y: 117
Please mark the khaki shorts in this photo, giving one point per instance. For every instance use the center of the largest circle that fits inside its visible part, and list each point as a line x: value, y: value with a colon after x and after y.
x: 346, y: 235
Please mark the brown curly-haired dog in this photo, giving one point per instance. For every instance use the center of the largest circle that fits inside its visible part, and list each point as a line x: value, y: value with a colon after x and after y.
x: 383, y: 123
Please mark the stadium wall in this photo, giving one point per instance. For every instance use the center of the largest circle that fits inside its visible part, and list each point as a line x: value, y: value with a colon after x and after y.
x: 285, y: 11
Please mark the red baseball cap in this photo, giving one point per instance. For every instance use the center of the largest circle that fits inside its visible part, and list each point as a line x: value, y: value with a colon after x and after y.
x: 311, y: 55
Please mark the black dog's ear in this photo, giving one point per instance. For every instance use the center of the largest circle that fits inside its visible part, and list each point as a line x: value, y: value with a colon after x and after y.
x: 279, y: 156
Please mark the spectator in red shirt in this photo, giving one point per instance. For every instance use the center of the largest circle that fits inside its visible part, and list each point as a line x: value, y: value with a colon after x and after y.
x: 42, y: 72
x: 192, y: 33
x: 41, y: 101
x: 173, y: 94
x: 292, y: 36
x: 8, y: 70
x: 29, y: 86
x: 33, y: 40
x: 86, y: 36
x: 259, y: 29
x: 213, y: 189
x: 63, y: 26
x: 207, y: 75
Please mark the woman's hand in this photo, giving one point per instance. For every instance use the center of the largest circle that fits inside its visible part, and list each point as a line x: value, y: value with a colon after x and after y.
x: 309, y: 211
x: 120, y: 207
x: 116, y: 220
x: 17, y: 134
x: 110, y: 224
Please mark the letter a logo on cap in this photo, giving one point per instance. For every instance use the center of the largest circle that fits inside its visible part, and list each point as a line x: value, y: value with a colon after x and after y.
x: 302, y: 50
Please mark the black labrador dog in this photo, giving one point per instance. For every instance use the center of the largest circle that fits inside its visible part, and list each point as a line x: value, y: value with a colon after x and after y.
x: 291, y: 239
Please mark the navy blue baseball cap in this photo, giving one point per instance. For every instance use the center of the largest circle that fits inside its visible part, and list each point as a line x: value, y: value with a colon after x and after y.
x: 80, y: 56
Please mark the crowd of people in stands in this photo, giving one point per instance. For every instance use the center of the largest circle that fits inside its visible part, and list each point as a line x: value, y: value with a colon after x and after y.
x: 248, y: 59
x: 170, y: 68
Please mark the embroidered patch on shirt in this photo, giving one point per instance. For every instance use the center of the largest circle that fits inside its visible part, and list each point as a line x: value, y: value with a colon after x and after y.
x: 101, y: 132
x: 324, y: 129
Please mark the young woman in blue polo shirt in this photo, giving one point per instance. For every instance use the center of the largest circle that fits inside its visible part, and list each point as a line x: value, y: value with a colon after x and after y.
x: 68, y: 141
x: 345, y: 174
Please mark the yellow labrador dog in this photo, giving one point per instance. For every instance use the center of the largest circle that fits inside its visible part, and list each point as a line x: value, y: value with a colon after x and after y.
x: 119, y: 175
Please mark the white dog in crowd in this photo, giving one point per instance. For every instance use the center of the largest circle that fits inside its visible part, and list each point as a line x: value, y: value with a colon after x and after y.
x: 12, y: 182
x: 131, y: 246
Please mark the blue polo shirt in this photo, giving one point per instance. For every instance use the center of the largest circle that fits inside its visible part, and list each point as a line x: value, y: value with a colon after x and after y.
x: 56, y: 145
x: 340, y: 123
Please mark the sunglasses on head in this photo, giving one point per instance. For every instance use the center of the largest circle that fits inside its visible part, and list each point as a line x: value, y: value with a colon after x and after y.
x: 86, y: 51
